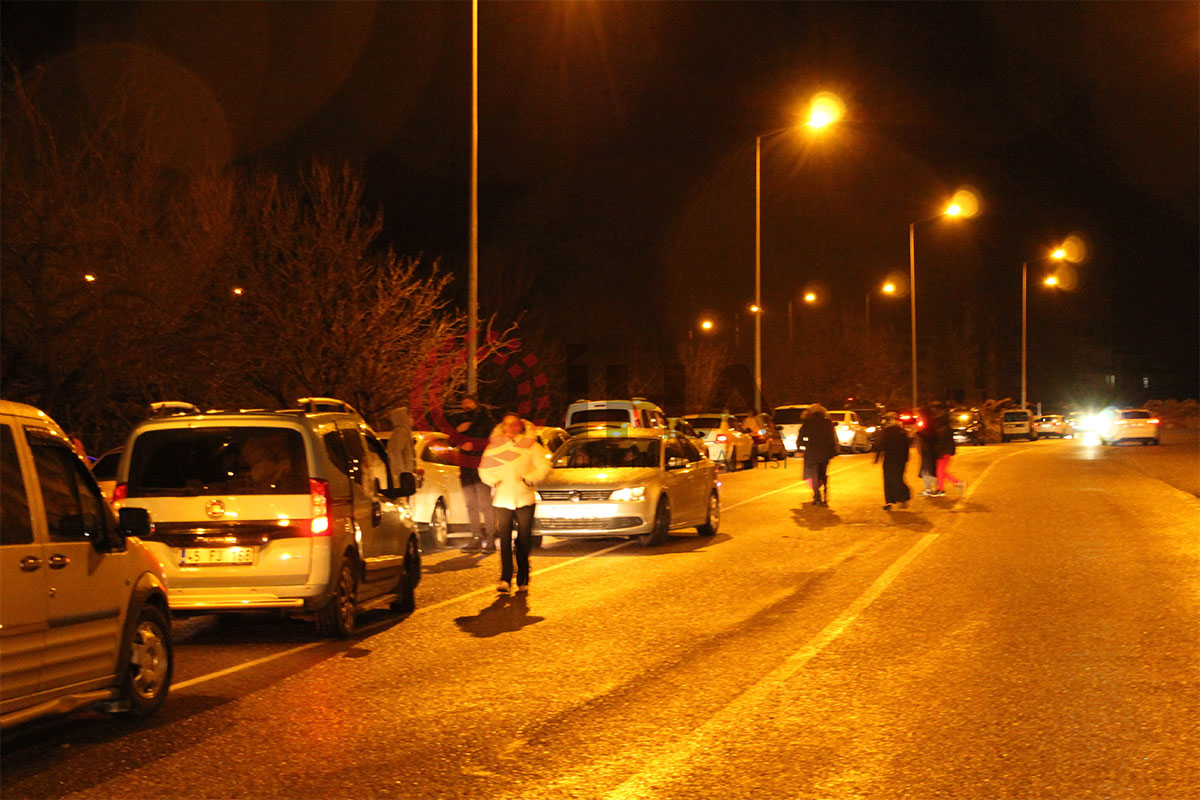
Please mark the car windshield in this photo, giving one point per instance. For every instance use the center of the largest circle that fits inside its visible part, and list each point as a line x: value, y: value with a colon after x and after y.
x: 1135, y: 415
x: 789, y: 416
x: 587, y: 415
x: 106, y: 468
x: 587, y: 453
x: 704, y: 423
x: 869, y: 417
x: 187, y: 462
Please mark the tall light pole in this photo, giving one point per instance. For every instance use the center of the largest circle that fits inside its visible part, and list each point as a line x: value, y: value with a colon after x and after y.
x: 473, y: 271
x: 964, y: 204
x: 1057, y: 255
x: 825, y: 110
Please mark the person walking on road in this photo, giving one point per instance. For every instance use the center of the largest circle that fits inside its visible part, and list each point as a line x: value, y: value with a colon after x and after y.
x: 927, y: 437
x: 514, y: 463
x: 402, y: 457
x: 476, y: 424
x: 892, y: 445
x: 945, y: 451
x: 820, y: 446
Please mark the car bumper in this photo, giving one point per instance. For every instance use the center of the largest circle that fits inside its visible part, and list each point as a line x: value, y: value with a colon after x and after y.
x: 585, y: 519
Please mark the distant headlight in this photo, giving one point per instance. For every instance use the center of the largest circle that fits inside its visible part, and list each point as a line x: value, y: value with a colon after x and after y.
x: 629, y: 493
x: 871, y: 429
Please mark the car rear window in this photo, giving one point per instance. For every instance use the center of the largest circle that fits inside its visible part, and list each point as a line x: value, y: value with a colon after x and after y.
x: 790, y: 416
x: 1016, y: 416
x: 587, y: 415
x: 870, y: 417
x: 608, y: 453
x: 704, y: 423
x: 187, y: 462
x: 1135, y: 415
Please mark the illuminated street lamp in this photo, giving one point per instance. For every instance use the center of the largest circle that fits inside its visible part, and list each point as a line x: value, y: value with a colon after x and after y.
x: 90, y: 278
x: 825, y: 110
x: 963, y: 204
x: 1052, y: 280
x: 888, y: 288
x: 706, y: 325
x: 810, y: 297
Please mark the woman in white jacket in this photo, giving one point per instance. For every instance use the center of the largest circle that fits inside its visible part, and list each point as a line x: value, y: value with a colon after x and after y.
x: 513, y: 464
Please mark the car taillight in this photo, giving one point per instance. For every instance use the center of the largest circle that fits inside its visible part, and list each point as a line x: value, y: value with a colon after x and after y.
x: 120, y: 492
x: 722, y: 437
x: 318, y: 491
x: 1153, y: 420
x: 920, y: 423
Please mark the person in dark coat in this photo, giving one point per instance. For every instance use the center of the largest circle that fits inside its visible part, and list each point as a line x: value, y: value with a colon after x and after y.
x: 945, y: 451
x: 927, y: 444
x: 477, y: 424
x: 820, y: 446
x: 893, y: 445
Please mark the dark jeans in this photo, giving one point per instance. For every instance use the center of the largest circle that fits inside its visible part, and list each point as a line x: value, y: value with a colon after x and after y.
x: 504, y: 524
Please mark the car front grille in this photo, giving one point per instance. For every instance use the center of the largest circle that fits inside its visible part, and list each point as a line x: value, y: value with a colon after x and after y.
x: 570, y: 494
x: 610, y: 524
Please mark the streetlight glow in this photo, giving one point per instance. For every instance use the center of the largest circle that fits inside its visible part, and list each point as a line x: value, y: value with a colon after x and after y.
x: 237, y: 290
x: 1051, y: 280
x: 826, y: 109
x: 889, y: 288
x: 810, y: 297
x: 954, y: 210
x: 1060, y: 254
x: 90, y: 278
x: 754, y: 308
x: 706, y: 325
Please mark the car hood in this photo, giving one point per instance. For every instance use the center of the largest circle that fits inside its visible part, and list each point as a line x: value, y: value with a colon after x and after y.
x: 565, y: 478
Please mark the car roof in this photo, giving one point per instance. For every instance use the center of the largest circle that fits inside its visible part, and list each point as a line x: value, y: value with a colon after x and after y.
x: 25, y: 411
x: 623, y: 432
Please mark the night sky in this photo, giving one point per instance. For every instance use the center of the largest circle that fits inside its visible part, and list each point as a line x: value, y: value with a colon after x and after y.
x: 617, y: 153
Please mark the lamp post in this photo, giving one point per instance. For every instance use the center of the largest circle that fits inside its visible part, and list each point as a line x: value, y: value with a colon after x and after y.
x: 826, y: 109
x: 1057, y: 255
x: 964, y: 204
x: 473, y: 271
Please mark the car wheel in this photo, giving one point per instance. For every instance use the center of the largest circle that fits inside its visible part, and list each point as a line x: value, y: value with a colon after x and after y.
x: 662, y: 524
x: 438, y: 532
x: 406, y: 589
x: 713, y: 519
x: 535, y: 540
x: 151, y: 661
x: 336, y: 618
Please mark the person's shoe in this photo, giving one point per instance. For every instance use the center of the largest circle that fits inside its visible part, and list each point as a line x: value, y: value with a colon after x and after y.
x: 473, y: 546
x: 887, y: 506
x: 928, y: 493
x: 936, y: 493
x: 488, y: 547
x: 502, y: 587
x: 523, y: 587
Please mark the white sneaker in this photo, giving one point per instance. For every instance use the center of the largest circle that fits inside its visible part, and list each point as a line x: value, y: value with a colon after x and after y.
x: 503, y: 587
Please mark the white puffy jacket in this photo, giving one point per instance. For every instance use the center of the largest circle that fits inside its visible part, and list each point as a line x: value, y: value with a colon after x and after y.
x: 513, y: 467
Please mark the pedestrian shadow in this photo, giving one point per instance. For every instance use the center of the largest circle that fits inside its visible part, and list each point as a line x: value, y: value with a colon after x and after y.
x: 909, y: 521
x: 508, y: 613
x: 455, y: 564
x: 815, y: 518
x: 970, y: 507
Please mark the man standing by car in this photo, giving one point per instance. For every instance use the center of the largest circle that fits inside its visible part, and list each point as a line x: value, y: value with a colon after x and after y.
x: 820, y: 446
x: 514, y: 463
x: 476, y: 424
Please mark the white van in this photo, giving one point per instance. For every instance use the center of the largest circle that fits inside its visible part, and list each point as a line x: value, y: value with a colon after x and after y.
x: 1017, y: 423
x: 637, y: 412
x: 83, y: 612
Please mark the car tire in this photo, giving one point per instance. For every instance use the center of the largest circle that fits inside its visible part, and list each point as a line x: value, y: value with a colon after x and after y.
x: 406, y: 589
x: 150, y: 662
x: 712, y: 521
x: 335, y: 619
x: 662, y: 525
x: 438, y: 533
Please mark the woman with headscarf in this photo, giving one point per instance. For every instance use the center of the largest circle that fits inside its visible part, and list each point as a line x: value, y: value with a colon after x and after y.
x: 402, y: 457
x: 820, y: 446
x: 892, y: 445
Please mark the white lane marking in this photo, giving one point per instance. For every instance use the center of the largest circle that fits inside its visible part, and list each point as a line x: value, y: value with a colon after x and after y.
x: 368, y: 628
x: 646, y: 783
x: 792, y: 485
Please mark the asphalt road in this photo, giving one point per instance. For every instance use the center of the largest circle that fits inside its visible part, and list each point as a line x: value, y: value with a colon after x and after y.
x: 1036, y: 637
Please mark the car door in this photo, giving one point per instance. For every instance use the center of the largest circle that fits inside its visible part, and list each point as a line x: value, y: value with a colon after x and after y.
x: 22, y: 579
x: 86, y: 590
x: 680, y: 484
x: 701, y: 476
x: 378, y: 543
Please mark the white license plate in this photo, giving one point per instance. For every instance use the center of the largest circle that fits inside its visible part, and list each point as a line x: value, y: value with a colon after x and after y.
x: 216, y: 555
x: 576, y: 511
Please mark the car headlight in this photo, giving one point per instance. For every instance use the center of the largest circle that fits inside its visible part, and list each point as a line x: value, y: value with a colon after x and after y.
x: 871, y: 429
x: 628, y: 493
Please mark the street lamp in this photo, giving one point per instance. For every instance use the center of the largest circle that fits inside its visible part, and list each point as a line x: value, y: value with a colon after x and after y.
x: 888, y: 288
x: 963, y: 204
x: 826, y: 109
x: 1052, y: 280
x: 473, y: 247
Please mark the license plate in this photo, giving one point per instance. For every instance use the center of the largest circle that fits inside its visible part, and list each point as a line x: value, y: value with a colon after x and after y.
x: 193, y: 556
x: 576, y: 511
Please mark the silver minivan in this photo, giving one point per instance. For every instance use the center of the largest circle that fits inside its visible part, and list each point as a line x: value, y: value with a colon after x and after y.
x: 1017, y: 423
x: 83, y: 612
x: 293, y: 510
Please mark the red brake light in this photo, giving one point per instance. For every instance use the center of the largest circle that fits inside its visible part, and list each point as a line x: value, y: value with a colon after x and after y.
x: 319, y: 492
x: 120, y: 492
x: 1153, y: 420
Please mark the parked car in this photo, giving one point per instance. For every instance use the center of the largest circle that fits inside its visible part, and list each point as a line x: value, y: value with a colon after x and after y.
x: 437, y: 505
x: 768, y: 441
x: 1053, y: 425
x: 637, y: 412
x: 1128, y: 425
x: 871, y: 419
x: 1080, y: 421
x: 104, y: 470
x: 628, y: 482
x: 852, y: 435
x: 967, y: 426
x: 293, y: 510
x: 789, y: 419
x: 727, y: 445
x: 1017, y: 423
x: 684, y: 428
x: 910, y: 420
x: 83, y: 604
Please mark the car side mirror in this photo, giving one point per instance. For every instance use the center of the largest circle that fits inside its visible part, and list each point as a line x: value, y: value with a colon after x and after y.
x: 675, y: 462
x: 131, y: 521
